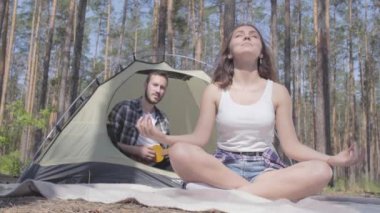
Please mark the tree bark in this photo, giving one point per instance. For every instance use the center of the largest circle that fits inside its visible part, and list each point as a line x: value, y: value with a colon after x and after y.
x: 322, y: 99
x: 160, y: 51
x: 107, y: 71
x: 3, y: 9
x: 94, y: 60
x: 27, y: 143
x: 8, y: 61
x: 334, y: 112
x: 351, y: 134
x: 43, y: 91
x: 122, y: 31
x: 46, y: 60
x: 287, y: 45
x: 297, y: 76
x: 273, y: 28
x: 81, y: 16
x: 155, y: 21
x: 171, y: 47
x: 221, y: 22
x: 229, y: 18
x: 3, y: 40
x: 199, y: 35
x: 64, y: 67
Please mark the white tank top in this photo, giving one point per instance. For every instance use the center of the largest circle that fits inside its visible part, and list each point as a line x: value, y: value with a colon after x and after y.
x: 246, y: 128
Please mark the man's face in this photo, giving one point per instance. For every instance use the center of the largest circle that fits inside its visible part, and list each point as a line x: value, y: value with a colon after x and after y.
x: 155, y: 89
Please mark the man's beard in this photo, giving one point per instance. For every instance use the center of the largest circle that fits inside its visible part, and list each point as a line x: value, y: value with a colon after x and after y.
x: 150, y: 101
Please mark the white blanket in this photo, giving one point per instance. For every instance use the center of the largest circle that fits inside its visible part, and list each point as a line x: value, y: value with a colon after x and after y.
x: 191, y: 200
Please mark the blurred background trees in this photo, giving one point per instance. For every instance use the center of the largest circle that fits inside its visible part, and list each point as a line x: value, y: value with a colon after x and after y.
x: 326, y: 53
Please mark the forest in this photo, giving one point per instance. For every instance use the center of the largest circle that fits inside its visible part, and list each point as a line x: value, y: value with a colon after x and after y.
x: 326, y: 52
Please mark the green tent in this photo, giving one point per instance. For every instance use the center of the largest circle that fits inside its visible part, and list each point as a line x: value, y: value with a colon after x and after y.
x: 81, y: 150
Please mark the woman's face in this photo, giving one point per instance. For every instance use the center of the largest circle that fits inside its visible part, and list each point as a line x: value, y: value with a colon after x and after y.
x: 245, y: 40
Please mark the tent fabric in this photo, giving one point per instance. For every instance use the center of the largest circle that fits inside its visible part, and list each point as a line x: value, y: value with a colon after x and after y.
x: 83, y: 151
x: 190, y: 200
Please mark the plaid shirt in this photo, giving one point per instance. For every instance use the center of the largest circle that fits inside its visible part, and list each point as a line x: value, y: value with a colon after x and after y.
x: 123, y: 118
x: 272, y: 160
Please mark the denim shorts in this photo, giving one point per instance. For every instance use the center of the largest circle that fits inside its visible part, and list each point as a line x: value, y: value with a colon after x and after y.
x: 250, y: 166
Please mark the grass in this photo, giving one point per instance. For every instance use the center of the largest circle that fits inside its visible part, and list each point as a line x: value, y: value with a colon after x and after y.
x: 362, y: 187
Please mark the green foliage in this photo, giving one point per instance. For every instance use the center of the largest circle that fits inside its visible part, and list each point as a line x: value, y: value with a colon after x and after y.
x: 21, y: 118
x: 10, y: 164
x: 362, y: 186
x: 10, y: 134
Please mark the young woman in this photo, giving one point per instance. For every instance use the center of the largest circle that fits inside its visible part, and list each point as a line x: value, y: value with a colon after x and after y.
x: 247, y: 106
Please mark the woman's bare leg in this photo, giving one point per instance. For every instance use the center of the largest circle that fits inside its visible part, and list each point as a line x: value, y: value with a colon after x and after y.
x: 303, y: 179
x: 193, y: 164
x: 295, y: 182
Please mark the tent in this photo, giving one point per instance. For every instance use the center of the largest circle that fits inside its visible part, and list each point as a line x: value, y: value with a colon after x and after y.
x: 82, y: 152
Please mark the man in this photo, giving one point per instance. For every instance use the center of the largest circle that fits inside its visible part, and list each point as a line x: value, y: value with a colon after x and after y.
x: 124, y: 116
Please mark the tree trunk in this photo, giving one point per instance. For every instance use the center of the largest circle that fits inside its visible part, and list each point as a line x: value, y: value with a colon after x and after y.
x: 26, y: 138
x: 297, y: 77
x: 81, y: 16
x: 107, y: 70
x: 287, y: 50
x: 273, y: 29
x: 221, y: 22
x: 31, y: 58
x: 369, y: 117
x: 322, y: 99
x: 94, y: 60
x: 160, y: 51
x: 8, y: 61
x: 171, y: 49
x: 229, y: 18
x: 122, y: 31
x: 155, y: 21
x: 363, y: 121
x: 3, y: 40
x: 45, y: 73
x: 46, y: 60
x: 199, y: 34
x: 192, y: 31
x: 3, y: 9
x: 136, y: 24
x: 335, y: 132
x: 65, y: 62
x: 351, y: 134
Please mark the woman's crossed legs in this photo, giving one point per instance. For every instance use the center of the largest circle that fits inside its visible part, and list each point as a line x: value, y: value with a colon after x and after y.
x: 295, y: 182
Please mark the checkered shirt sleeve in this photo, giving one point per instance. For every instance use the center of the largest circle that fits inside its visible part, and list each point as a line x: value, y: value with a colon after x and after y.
x: 121, y: 123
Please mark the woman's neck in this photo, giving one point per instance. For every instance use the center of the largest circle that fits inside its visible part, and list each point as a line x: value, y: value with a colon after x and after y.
x: 246, y: 76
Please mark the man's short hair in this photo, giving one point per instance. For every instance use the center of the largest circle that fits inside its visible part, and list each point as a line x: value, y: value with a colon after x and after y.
x: 157, y: 72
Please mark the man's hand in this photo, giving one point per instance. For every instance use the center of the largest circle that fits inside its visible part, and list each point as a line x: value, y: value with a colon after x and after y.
x: 146, y: 153
x: 141, y: 153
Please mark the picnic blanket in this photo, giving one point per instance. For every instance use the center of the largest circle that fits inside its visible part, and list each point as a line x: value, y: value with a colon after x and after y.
x: 197, y: 199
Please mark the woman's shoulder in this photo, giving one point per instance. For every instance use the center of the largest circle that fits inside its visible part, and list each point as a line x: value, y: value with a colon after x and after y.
x: 214, y: 88
x: 280, y: 93
x: 279, y: 89
x: 213, y: 91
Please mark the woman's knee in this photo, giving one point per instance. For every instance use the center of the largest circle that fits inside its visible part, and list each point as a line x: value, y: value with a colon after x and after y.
x: 321, y: 171
x: 181, y: 152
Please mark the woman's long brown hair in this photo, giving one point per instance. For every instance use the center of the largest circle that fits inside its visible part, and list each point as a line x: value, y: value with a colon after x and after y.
x: 224, y: 71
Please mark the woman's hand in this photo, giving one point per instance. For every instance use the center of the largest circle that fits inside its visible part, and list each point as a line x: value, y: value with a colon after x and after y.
x: 146, y: 128
x: 347, y: 157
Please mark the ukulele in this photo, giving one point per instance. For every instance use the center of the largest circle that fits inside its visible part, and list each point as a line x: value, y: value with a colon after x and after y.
x: 160, y: 152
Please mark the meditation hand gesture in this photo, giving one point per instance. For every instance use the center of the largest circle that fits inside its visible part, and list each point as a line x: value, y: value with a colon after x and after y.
x: 347, y: 157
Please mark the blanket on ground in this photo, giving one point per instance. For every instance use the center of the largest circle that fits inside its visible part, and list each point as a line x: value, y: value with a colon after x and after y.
x: 191, y: 200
